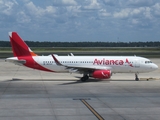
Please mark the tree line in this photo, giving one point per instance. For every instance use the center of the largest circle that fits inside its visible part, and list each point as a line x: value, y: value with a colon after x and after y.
x: 85, y: 44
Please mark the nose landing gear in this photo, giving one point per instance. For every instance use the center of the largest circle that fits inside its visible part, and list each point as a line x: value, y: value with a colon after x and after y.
x: 136, y: 77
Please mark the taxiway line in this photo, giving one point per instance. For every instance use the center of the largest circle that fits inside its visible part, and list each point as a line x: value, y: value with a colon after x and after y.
x: 92, y: 110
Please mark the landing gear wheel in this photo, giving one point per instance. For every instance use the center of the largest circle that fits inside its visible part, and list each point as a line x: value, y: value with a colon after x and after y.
x: 136, y: 77
x: 84, y: 78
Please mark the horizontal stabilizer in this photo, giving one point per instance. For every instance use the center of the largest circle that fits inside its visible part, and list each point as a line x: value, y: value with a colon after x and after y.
x: 15, y: 61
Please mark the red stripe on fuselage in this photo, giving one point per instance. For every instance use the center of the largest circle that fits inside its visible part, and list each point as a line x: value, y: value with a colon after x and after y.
x: 31, y: 63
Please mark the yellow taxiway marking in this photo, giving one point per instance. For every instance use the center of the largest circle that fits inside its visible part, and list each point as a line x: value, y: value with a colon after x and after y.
x: 92, y: 110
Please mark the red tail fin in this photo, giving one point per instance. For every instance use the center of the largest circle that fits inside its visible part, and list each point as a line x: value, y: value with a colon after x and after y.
x: 19, y: 47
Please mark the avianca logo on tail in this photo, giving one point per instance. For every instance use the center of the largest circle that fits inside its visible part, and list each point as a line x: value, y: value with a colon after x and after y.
x: 111, y: 62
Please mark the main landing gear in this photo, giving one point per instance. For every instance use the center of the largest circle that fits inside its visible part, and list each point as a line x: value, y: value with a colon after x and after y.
x: 136, y: 77
x: 84, y: 78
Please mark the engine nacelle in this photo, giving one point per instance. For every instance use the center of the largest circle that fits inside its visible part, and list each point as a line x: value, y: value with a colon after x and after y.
x: 101, y: 74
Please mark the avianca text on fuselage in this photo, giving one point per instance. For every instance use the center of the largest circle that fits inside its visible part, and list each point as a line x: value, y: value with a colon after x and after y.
x: 107, y: 62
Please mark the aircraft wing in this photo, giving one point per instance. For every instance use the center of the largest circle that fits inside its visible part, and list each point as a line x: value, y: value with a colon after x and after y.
x: 16, y: 61
x: 87, y: 67
x: 81, y: 68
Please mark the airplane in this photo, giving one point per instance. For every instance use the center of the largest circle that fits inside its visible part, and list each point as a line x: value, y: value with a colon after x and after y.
x: 98, y: 67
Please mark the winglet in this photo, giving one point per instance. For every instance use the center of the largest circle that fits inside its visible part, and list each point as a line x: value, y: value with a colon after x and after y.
x: 56, y: 61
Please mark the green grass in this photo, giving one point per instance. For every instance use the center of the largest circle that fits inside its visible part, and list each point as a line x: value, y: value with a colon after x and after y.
x: 145, y: 52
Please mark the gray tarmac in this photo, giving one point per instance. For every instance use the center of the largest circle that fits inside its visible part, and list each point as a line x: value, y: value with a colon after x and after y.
x: 35, y: 95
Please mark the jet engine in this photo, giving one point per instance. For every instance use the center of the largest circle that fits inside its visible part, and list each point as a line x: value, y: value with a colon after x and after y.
x: 101, y: 74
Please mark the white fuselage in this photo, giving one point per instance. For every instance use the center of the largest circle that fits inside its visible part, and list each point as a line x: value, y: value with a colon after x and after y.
x: 117, y: 64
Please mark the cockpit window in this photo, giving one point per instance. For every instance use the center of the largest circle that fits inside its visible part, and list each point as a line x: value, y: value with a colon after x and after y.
x: 148, y: 62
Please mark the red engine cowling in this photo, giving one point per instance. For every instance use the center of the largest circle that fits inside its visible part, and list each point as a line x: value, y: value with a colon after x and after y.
x: 101, y: 74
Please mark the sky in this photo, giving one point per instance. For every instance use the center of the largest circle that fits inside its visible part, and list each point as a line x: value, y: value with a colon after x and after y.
x: 81, y: 20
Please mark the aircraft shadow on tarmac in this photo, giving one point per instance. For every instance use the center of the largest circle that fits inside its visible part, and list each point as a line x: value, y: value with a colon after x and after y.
x: 58, y: 80
x: 70, y: 81
x: 88, y: 81
x: 73, y: 81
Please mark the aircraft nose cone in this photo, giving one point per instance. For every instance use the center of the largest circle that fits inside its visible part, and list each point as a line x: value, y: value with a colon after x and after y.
x: 155, y: 66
